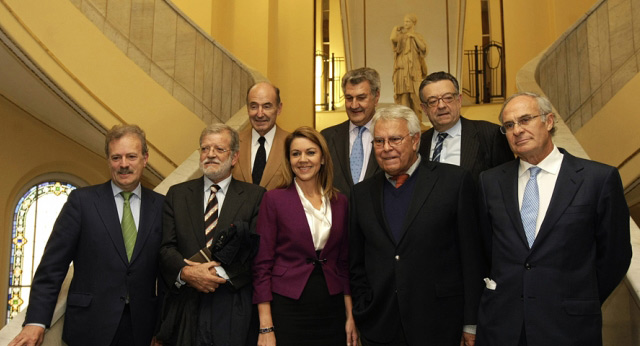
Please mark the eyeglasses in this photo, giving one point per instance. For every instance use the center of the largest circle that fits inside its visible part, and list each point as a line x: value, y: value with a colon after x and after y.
x: 218, y: 150
x: 394, y: 141
x: 447, y: 98
x: 523, y: 122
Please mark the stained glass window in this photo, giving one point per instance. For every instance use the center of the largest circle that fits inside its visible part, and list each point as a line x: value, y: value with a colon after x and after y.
x: 33, y: 221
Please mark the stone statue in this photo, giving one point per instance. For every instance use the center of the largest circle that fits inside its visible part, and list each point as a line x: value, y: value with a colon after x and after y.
x: 409, y: 66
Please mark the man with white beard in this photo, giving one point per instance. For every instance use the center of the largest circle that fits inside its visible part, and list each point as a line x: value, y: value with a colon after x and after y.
x: 209, y: 297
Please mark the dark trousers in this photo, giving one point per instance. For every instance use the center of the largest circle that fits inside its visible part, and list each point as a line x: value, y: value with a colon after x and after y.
x: 124, y: 333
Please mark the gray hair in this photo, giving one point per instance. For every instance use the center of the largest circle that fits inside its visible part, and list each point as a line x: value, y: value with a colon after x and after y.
x: 398, y: 112
x: 360, y: 75
x: 544, y: 106
x: 219, y: 128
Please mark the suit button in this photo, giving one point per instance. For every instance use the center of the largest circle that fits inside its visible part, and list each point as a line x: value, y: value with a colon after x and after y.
x: 527, y: 266
x: 397, y: 258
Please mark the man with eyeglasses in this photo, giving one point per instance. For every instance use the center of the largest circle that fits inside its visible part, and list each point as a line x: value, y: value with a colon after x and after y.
x: 415, y: 264
x: 556, y: 229
x: 474, y: 145
x: 257, y: 163
x: 208, y: 245
x: 350, y: 142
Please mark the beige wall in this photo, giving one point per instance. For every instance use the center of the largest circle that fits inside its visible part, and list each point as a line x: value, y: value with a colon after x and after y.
x: 30, y: 150
x: 532, y: 25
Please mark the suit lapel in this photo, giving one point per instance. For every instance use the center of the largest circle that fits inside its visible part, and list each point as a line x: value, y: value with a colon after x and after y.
x: 245, y: 157
x: 426, y: 180
x: 148, y: 211
x: 275, y: 157
x: 233, y: 200
x: 428, y: 136
x: 509, y: 186
x: 377, y: 199
x: 194, y: 201
x: 106, y: 207
x: 567, y: 185
x: 469, y: 144
x: 300, y: 218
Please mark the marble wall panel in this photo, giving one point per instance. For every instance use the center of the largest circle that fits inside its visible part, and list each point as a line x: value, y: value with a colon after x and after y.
x: 623, y: 75
x: 573, y: 70
x: 620, y: 32
x: 207, y: 83
x: 198, y: 109
x: 93, y: 14
x: 593, y: 51
x: 236, y: 77
x: 198, y: 85
x: 119, y: 15
x: 635, y: 18
x: 603, y: 41
x: 112, y: 33
x: 583, y: 62
x: 596, y: 101
x: 164, y: 37
x: 227, y: 69
x: 606, y: 91
x: 185, y: 55
x: 207, y: 116
x: 585, y: 110
x: 77, y: 3
x: 100, y: 5
x: 141, y: 30
x: 141, y: 59
x: 216, y: 89
x: 161, y: 77
x: 563, y: 81
x: 184, y: 96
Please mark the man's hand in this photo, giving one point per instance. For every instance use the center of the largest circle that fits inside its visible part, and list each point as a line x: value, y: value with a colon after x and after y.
x: 29, y: 336
x: 468, y: 339
x: 202, y: 276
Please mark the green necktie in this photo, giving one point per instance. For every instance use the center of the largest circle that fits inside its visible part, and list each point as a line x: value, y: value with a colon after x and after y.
x: 129, y: 232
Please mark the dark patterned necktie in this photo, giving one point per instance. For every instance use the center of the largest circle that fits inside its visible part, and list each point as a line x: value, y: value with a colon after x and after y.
x: 438, y: 149
x: 211, y: 215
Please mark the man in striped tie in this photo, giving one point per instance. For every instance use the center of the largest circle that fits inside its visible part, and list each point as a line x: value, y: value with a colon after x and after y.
x: 206, y: 304
x: 556, y: 229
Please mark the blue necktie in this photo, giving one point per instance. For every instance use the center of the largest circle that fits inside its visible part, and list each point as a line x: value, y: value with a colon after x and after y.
x: 357, y: 156
x: 530, y: 204
x: 438, y: 149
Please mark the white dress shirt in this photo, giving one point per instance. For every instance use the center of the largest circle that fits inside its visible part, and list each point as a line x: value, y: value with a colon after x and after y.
x: 550, y: 167
x: 134, y: 202
x: 255, y: 145
x: 450, y: 146
x: 367, y: 138
x: 319, y: 220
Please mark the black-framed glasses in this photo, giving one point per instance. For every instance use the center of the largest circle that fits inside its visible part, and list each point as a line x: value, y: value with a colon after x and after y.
x: 218, y: 150
x: 523, y: 121
x: 393, y: 141
x: 447, y: 98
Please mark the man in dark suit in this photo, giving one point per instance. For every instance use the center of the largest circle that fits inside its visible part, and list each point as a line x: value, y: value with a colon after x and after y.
x: 350, y: 142
x: 111, y: 233
x: 415, y: 263
x: 206, y: 303
x: 474, y: 145
x: 556, y: 229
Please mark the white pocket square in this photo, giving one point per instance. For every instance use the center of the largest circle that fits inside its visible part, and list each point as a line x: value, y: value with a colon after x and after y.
x: 490, y: 284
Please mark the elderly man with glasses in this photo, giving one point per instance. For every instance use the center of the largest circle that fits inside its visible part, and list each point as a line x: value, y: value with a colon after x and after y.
x: 556, y: 229
x: 474, y: 145
x: 415, y: 263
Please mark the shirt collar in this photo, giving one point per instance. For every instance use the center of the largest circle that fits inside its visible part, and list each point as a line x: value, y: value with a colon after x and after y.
x: 550, y: 164
x: 224, y: 184
x: 454, y: 131
x: 267, y: 136
x: 116, y: 189
x: 353, y: 127
x: 410, y: 170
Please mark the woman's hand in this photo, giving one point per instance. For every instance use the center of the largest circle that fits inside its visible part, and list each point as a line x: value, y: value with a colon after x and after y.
x: 352, y: 333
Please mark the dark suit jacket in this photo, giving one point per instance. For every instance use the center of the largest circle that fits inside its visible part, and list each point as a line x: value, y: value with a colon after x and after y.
x: 581, y: 253
x: 338, y: 141
x: 183, y: 236
x: 286, y: 244
x: 88, y: 233
x: 482, y: 146
x: 429, y: 283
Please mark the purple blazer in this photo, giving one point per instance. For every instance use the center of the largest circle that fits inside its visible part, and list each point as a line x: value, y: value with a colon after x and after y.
x: 281, y: 265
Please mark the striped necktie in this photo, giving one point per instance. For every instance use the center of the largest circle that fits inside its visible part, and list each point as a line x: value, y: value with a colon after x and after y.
x: 438, y: 148
x: 211, y: 215
x: 530, y: 204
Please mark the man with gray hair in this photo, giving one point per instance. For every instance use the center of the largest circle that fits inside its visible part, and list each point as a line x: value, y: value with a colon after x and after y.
x: 556, y: 230
x: 208, y: 244
x: 416, y: 267
x: 350, y: 142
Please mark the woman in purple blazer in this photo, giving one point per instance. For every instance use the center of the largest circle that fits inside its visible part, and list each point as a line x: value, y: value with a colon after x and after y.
x: 301, y: 273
